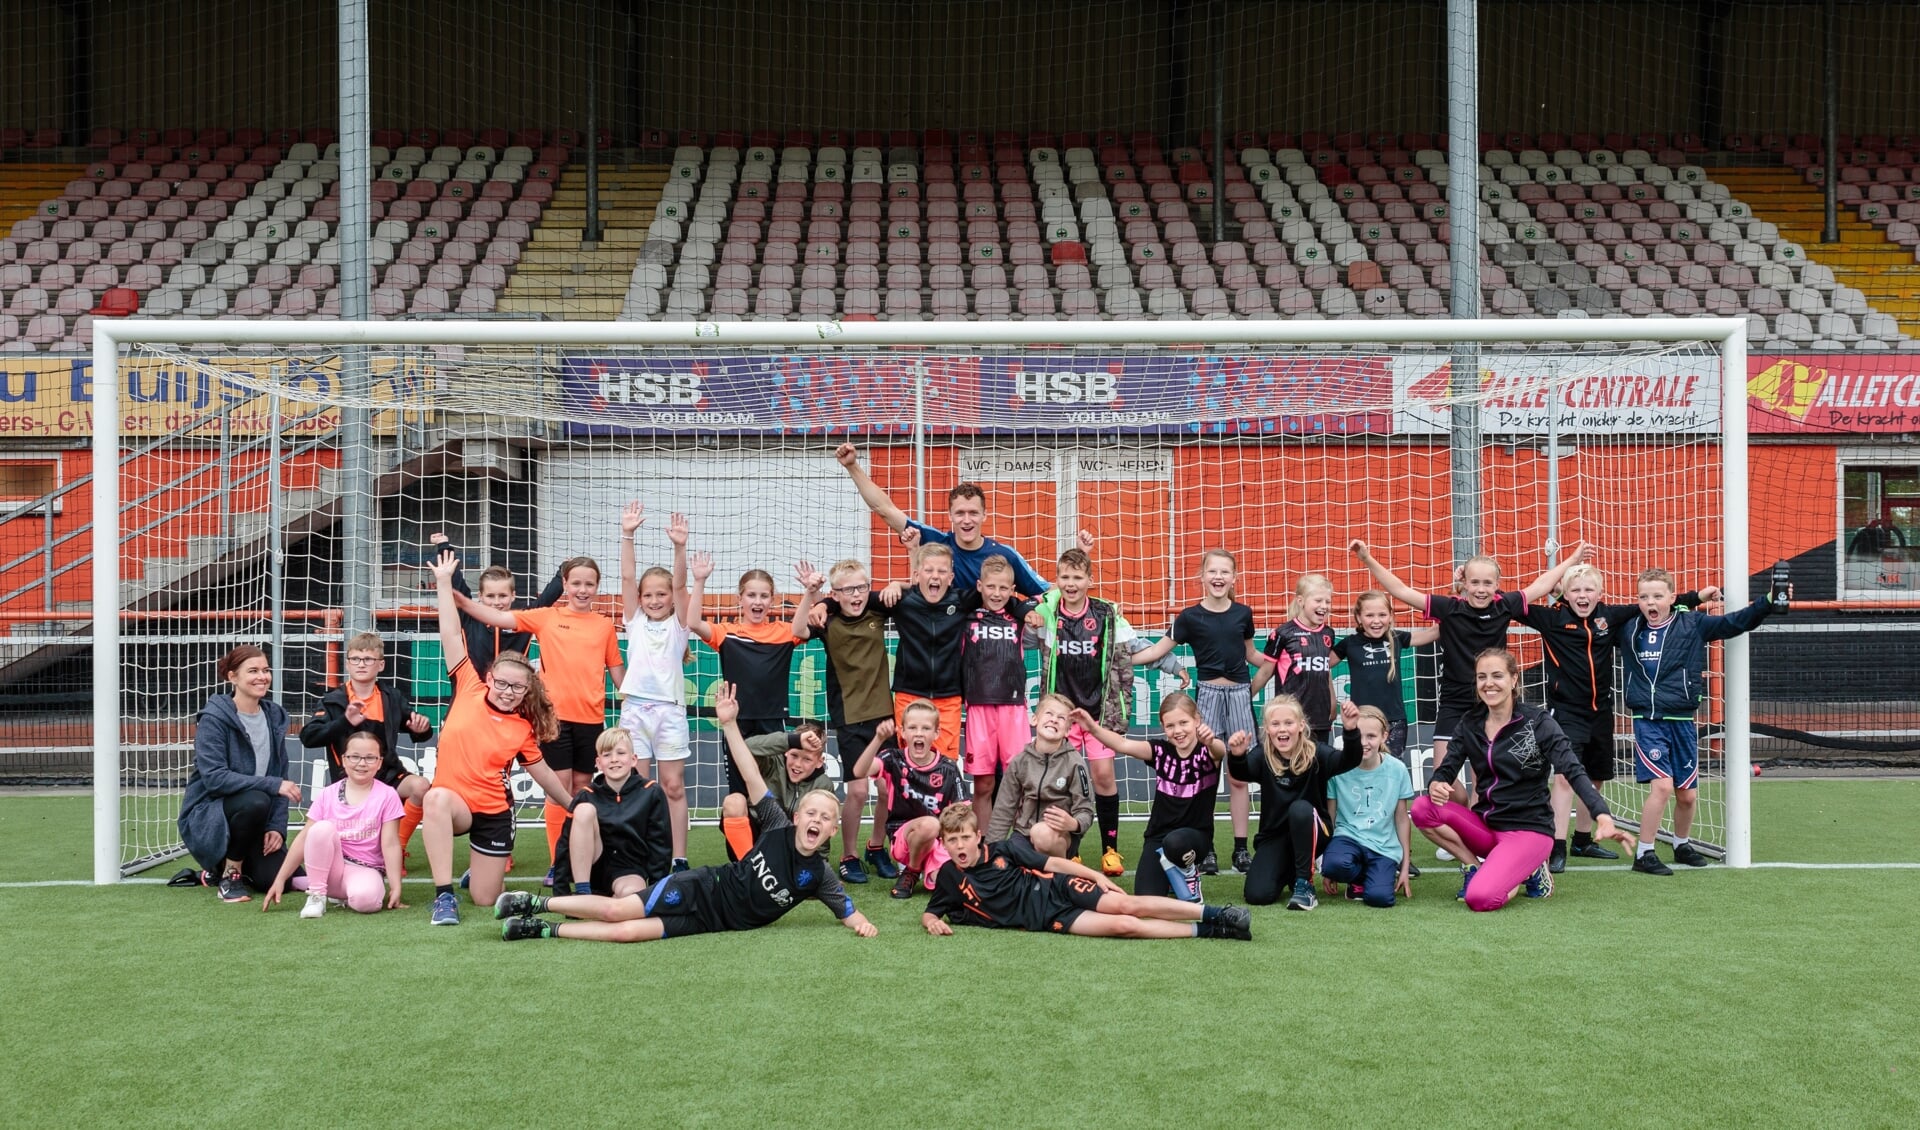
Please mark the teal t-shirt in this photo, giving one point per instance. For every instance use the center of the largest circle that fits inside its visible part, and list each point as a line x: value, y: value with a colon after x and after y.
x: 1366, y: 800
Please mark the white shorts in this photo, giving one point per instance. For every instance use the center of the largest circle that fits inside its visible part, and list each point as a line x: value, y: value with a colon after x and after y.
x: 659, y: 729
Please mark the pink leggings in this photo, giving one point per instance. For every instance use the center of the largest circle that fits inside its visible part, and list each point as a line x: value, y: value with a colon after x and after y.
x: 334, y: 875
x: 1507, y: 857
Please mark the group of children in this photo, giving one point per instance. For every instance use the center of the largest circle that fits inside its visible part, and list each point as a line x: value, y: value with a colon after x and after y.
x: 1000, y: 843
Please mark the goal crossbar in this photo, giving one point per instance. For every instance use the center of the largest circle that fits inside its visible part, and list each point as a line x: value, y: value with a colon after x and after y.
x: 1728, y: 335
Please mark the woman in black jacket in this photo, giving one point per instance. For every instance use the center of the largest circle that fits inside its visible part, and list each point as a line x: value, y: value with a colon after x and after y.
x: 1504, y: 839
x: 233, y: 816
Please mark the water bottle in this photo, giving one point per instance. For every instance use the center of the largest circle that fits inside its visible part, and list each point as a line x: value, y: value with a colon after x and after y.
x: 1777, y: 592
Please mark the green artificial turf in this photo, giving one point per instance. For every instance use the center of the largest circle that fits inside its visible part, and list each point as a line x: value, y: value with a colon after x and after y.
x: 1715, y: 998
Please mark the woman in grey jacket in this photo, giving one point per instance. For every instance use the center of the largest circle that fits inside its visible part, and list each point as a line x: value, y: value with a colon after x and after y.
x: 233, y: 816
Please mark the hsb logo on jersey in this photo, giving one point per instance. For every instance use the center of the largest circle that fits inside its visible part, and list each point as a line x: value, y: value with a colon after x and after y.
x: 1077, y: 647
x: 1066, y: 388
x: 1315, y: 663
x: 982, y: 631
x: 622, y: 386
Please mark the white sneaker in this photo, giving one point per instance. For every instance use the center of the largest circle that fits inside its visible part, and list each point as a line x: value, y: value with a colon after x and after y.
x: 316, y: 905
x: 1444, y: 855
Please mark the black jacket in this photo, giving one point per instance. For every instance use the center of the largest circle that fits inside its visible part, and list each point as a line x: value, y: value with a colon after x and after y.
x: 1279, y: 790
x: 329, y: 728
x: 1580, y: 650
x: 1514, y: 771
x: 633, y: 829
x: 484, y: 641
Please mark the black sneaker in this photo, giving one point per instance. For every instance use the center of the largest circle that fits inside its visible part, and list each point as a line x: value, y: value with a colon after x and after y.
x: 1242, y: 860
x: 851, y: 871
x: 520, y: 929
x: 1591, y: 850
x: 1210, y: 865
x: 233, y: 890
x: 1234, y: 922
x: 1413, y: 871
x: 882, y: 863
x: 1557, y: 858
x: 1648, y: 863
x: 1302, y: 896
x: 1690, y: 855
x: 1466, y: 876
x: 515, y: 904
x: 1354, y: 893
x: 903, y: 886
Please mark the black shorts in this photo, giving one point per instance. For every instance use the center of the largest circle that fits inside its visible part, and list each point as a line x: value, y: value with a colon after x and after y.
x: 684, y: 903
x: 1591, y: 736
x: 1453, y: 707
x: 491, y: 834
x: 610, y: 867
x: 572, y: 748
x: 749, y: 728
x: 1071, y: 896
x: 852, y: 739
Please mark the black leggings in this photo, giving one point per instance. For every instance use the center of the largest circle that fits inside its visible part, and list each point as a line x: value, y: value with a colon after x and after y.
x: 1283, y: 853
x: 247, y: 816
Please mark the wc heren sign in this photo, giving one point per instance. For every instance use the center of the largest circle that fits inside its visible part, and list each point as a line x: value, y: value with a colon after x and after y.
x: 1635, y: 395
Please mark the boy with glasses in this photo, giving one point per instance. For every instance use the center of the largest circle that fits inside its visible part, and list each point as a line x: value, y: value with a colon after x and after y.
x: 364, y: 705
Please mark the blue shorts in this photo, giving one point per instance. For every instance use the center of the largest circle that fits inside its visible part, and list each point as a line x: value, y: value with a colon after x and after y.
x: 1669, y: 748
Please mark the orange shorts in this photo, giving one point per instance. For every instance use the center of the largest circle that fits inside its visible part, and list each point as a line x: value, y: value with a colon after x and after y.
x: 948, y: 740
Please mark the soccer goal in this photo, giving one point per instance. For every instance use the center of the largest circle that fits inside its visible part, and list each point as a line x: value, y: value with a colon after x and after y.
x: 336, y: 451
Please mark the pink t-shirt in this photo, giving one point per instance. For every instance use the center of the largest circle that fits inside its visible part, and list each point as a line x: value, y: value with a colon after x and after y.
x: 359, y: 825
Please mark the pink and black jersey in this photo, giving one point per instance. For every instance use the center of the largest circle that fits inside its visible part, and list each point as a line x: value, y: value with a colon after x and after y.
x: 1303, y: 667
x: 913, y: 792
x: 1466, y: 631
x: 993, y: 664
x: 1184, y: 791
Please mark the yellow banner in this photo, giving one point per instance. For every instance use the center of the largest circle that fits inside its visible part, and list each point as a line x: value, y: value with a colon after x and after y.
x: 52, y: 397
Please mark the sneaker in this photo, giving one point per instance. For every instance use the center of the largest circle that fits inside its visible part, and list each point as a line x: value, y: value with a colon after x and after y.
x: 1443, y: 855
x: 1074, y: 858
x: 1557, y: 858
x: 1302, y: 896
x: 1354, y: 893
x: 1648, y: 863
x: 1234, y: 922
x: 520, y: 929
x: 903, y: 886
x: 1540, y: 884
x: 851, y: 871
x: 233, y: 890
x: 1690, y: 855
x: 881, y: 861
x: 464, y: 877
x: 679, y: 865
x: 548, y: 881
x: 1242, y: 860
x: 1466, y: 876
x: 1111, y: 864
x: 515, y: 904
x: 1210, y: 865
x: 1182, y: 882
x: 1413, y: 871
x: 446, y: 910
x: 1591, y: 850
x: 316, y: 905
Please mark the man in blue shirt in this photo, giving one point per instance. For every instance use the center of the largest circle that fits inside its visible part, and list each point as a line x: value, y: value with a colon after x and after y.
x: 966, y: 513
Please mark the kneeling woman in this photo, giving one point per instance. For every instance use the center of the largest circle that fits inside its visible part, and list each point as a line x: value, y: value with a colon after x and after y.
x: 1515, y: 749
x: 233, y: 816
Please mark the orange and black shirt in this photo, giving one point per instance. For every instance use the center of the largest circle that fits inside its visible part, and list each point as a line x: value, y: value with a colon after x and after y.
x: 1008, y: 888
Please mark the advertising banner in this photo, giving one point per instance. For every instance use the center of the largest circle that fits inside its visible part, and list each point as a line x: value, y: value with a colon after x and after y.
x: 1834, y: 394
x: 1533, y: 394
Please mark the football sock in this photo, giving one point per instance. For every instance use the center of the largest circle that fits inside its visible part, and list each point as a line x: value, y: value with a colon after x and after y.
x: 1239, y: 843
x: 1209, y: 914
x: 1680, y: 842
x: 410, y: 817
x: 442, y: 889
x: 556, y: 817
x: 1644, y: 848
x: 739, y: 833
x: 1582, y: 839
x: 1106, y: 810
x: 583, y: 888
x: 1559, y: 845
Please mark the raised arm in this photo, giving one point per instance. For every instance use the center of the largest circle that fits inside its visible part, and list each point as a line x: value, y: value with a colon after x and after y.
x: 453, y: 641
x: 442, y: 545
x: 694, y: 615
x: 1546, y: 582
x: 492, y: 617
x: 863, y: 766
x: 1117, y: 742
x: 630, y: 521
x: 726, y: 711
x: 1423, y: 635
x: 870, y: 492
x: 677, y: 534
x: 811, y: 582
x: 1383, y: 576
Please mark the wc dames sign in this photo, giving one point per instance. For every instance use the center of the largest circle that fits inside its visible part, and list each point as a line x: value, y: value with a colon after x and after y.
x: 52, y: 397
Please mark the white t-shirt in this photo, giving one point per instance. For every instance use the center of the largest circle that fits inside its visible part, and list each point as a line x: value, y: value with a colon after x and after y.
x: 656, y: 650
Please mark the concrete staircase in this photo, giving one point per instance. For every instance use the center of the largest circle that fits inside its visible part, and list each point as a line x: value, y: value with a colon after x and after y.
x: 1863, y: 258
x: 561, y: 276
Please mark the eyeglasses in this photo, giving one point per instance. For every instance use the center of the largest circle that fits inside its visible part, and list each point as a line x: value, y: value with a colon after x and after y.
x: 361, y: 757
x: 510, y: 688
x: 849, y: 590
x: 362, y: 659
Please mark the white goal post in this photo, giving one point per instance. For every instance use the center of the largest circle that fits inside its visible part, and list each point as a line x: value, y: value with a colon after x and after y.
x: 1726, y: 335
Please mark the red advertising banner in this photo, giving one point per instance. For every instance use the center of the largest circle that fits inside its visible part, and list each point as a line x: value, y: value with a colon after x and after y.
x: 1834, y: 394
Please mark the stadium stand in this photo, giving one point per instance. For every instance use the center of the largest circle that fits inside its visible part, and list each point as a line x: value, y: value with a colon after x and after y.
x: 957, y: 225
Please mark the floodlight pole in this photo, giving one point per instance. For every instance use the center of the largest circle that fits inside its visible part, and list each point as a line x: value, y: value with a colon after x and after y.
x: 1463, y: 255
